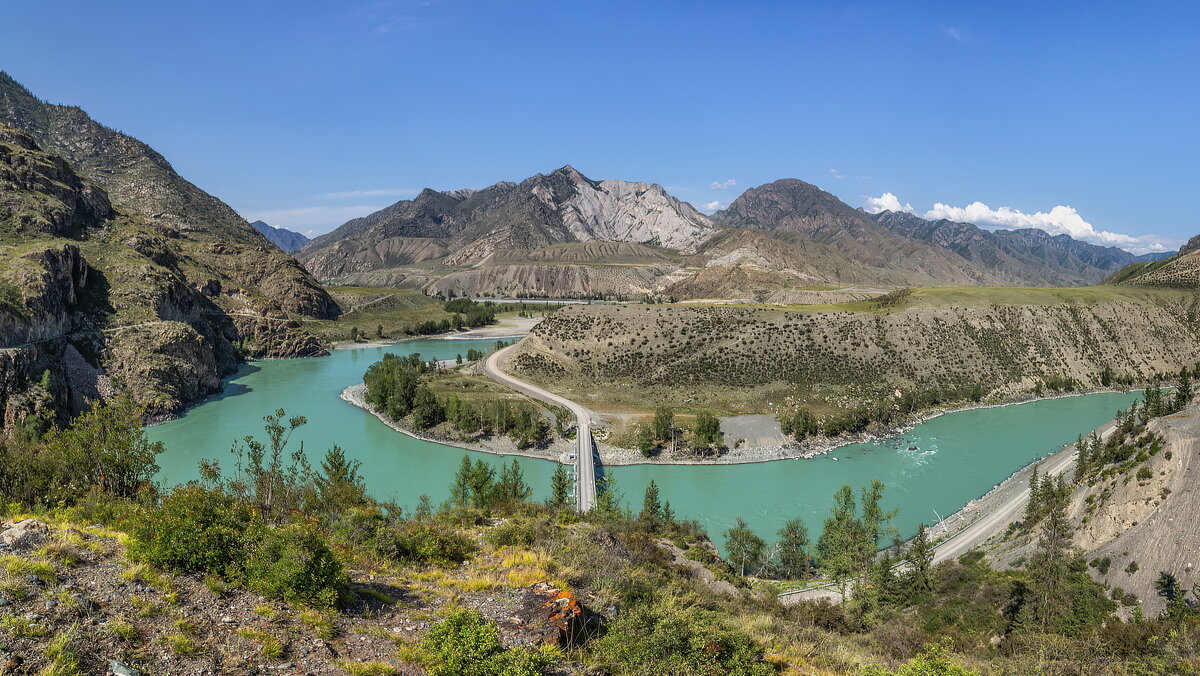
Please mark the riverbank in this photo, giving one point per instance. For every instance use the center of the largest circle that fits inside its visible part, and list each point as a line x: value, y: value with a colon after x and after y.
x: 556, y: 451
x: 513, y: 327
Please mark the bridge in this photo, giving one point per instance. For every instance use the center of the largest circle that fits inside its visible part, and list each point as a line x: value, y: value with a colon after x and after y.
x: 585, y: 445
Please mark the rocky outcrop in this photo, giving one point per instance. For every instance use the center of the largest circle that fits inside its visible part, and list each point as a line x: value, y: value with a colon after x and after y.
x: 41, y: 292
x: 165, y: 295
x: 41, y: 194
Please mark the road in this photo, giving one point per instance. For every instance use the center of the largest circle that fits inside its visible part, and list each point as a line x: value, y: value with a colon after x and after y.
x: 978, y: 532
x: 585, y: 449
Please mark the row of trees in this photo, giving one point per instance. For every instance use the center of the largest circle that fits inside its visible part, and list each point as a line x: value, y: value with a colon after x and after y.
x: 1129, y: 441
x: 705, y: 437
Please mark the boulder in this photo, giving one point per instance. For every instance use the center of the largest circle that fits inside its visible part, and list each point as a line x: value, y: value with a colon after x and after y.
x: 24, y: 536
x: 544, y: 614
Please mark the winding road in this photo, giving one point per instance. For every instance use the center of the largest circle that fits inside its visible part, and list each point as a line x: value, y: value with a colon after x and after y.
x: 585, y: 449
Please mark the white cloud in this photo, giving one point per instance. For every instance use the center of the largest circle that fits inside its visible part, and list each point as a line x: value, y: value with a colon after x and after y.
x: 885, y: 202
x: 356, y: 194
x: 711, y: 206
x: 1061, y: 220
x: 309, y: 219
x: 721, y: 185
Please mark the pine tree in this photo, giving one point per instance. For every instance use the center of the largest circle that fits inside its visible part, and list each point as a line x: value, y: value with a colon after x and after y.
x: 668, y: 513
x: 511, y: 487
x: 919, y: 556
x: 843, y: 547
x: 652, y: 511
x: 645, y: 440
x: 608, y: 498
x: 1049, y: 598
x: 460, y: 490
x: 1033, y: 503
x: 338, y: 484
x: 560, y: 487
x: 794, y: 561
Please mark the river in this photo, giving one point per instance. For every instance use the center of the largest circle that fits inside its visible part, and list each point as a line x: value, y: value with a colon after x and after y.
x: 957, y: 457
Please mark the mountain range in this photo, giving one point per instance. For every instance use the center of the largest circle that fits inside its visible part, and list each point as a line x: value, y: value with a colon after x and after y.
x: 541, y: 237
x: 288, y: 241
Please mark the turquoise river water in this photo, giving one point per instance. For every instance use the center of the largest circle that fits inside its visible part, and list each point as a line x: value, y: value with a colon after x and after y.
x: 958, y: 456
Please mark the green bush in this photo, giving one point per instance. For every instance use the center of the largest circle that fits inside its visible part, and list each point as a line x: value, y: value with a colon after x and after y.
x: 293, y: 563
x: 659, y: 641
x: 197, y: 530
x: 423, y: 543
x: 467, y: 644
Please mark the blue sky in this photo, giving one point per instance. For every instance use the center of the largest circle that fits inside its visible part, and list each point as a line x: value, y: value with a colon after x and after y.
x: 307, y: 113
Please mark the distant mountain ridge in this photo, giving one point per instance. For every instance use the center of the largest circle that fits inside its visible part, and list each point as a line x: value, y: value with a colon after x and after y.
x: 288, y: 241
x: 502, y: 240
x: 1028, y: 256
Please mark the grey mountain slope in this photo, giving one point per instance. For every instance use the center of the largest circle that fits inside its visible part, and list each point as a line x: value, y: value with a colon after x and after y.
x: 793, y: 206
x: 288, y: 241
x: 467, y: 227
x: 1028, y: 256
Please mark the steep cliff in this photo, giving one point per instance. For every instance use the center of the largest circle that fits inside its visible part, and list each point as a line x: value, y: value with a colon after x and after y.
x: 127, y: 278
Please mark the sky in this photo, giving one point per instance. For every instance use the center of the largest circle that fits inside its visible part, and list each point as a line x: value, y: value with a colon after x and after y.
x: 1077, y: 117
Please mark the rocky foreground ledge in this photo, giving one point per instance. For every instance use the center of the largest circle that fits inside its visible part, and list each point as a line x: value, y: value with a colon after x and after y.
x: 70, y: 585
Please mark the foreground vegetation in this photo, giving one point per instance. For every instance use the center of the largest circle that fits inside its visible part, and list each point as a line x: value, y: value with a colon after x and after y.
x: 273, y: 525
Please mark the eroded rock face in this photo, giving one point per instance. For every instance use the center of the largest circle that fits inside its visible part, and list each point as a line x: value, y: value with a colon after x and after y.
x: 39, y: 291
x: 40, y: 193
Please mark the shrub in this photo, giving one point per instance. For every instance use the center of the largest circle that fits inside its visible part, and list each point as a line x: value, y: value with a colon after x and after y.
x: 467, y: 644
x: 196, y: 530
x: 653, y: 641
x: 293, y: 563
x: 423, y: 543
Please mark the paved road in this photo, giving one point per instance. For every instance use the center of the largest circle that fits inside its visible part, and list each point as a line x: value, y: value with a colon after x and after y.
x: 585, y: 459
x: 975, y: 534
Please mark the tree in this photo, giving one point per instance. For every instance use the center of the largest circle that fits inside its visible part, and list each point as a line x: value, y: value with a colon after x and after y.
x: 560, y: 487
x: 919, y: 556
x: 338, y: 484
x: 266, y: 478
x: 843, y: 548
x: 511, y: 487
x: 800, y: 423
x: 744, y: 546
x: 707, y: 434
x: 1033, y: 502
x: 1049, y: 600
x: 645, y: 440
x: 652, y: 511
x: 1183, y: 393
x: 427, y: 411
x: 608, y: 498
x: 873, y: 515
x: 794, y: 561
x: 664, y: 423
